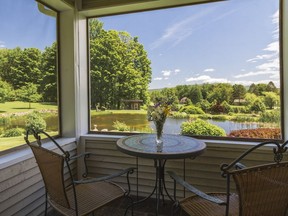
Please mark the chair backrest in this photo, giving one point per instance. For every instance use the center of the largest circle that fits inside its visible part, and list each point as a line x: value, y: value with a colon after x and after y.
x: 262, y: 190
x: 51, y: 166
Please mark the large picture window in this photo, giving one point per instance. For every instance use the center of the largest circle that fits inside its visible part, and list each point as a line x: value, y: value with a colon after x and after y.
x: 28, y: 71
x: 218, y: 64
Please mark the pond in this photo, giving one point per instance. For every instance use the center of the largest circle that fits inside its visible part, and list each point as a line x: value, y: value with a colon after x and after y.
x: 138, y: 122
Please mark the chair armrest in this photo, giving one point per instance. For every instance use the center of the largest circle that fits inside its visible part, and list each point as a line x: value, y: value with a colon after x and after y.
x: 85, y: 154
x: 239, y: 166
x: 105, y: 178
x: 195, y: 190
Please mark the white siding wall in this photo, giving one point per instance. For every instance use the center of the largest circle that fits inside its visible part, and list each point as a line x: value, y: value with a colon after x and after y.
x: 203, y: 171
x: 21, y: 186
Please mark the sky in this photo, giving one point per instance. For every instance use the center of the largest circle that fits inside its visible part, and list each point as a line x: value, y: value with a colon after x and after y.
x: 233, y: 41
x: 22, y: 25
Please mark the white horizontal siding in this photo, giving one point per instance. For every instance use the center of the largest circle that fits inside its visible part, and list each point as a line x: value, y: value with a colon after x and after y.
x: 21, y: 186
x: 203, y: 171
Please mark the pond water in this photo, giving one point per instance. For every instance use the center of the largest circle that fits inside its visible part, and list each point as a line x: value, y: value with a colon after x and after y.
x: 138, y: 122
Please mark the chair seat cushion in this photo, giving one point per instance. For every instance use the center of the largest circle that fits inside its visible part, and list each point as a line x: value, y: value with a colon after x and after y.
x: 197, y: 206
x: 90, y: 197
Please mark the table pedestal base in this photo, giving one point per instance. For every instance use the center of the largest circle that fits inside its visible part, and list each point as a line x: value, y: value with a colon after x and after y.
x: 159, y: 187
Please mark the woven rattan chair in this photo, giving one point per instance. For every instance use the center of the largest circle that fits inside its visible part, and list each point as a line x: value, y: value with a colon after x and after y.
x: 69, y: 196
x: 262, y: 190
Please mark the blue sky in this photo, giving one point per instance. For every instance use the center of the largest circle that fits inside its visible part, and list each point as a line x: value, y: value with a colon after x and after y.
x: 21, y: 24
x: 231, y: 41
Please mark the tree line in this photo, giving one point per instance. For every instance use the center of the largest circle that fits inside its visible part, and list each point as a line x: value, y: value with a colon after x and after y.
x: 119, y: 70
x: 28, y: 74
x: 218, y: 97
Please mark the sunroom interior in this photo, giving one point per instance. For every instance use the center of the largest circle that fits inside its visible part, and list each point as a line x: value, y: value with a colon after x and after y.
x: 21, y: 186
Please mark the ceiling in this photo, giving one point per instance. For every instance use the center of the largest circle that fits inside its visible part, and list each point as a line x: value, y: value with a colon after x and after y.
x: 91, y: 8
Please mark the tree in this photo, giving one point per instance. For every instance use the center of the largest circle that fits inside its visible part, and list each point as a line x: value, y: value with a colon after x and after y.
x: 195, y: 94
x: 250, y: 98
x: 48, y: 85
x: 21, y: 66
x: 5, y: 91
x: 119, y: 67
x: 271, y: 99
x: 271, y: 87
x: 28, y: 93
x: 221, y: 92
x: 257, y: 106
x: 239, y: 92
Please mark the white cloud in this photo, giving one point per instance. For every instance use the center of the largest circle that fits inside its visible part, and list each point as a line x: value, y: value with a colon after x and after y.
x: 249, y: 82
x: 207, y: 79
x: 181, y: 30
x: 273, y: 47
x: 158, y: 78
x: 209, y: 70
x: 176, y: 71
x: 256, y: 73
x: 275, y: 20
x: 166, y: 78
x: 260, y: 57
x: 2, y: 44
x: 166, y: 73
x: 268, y: 62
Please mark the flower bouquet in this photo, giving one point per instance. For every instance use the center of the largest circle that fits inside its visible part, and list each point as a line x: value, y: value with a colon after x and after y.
x: 158, y: 114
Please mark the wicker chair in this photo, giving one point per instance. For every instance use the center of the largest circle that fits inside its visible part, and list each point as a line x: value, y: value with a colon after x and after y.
x: 69, y: 196
x: 262, y: 190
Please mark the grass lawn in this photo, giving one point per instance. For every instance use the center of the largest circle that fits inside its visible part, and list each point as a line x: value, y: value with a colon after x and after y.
x: 18, y: 106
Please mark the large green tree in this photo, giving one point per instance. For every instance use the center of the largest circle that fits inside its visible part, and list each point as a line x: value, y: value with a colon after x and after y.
x: 5, y: 91
x: 28, y: 93
x: 19, y: 67
x: 239, y: 92
x: 48, y: 85
x: 119, y: 67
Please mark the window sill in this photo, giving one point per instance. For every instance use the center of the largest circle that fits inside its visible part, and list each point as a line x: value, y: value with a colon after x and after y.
x: 17, y: 156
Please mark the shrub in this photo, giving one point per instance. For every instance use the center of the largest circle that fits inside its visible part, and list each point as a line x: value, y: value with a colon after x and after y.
x: 180, y: 115
x: 201, y: 127
x: 204, y: 105
x: 120, y: 126
x: 13, y: 132
x: 217, y: 109
x: 270, y: 116
x: 35, y: 121
x: 257, y: 106
x: 265, y: 133
x: 191, y: 109
x: 226, y: 107
x: 239, y: 109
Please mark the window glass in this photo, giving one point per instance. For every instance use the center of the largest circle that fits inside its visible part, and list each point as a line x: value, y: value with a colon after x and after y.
x: 28, y: 71
x: 216, y: 64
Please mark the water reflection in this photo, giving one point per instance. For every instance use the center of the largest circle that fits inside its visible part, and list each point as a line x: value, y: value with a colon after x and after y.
x: 138, y: 122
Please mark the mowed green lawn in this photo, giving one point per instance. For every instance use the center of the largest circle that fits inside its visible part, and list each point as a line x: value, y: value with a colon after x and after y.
x: 18, y: 106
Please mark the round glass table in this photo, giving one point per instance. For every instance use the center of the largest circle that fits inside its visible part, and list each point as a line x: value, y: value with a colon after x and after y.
x: 174, y: 147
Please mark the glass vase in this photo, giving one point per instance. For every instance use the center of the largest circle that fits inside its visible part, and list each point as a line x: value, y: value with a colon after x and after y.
x: 159, y: 132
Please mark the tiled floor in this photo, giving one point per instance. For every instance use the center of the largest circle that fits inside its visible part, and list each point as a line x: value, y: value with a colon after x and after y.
x: 118, y: 207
